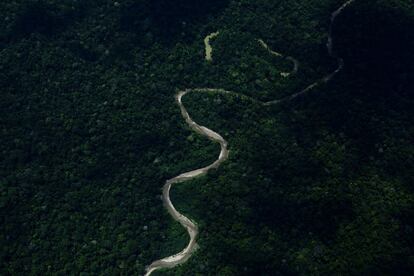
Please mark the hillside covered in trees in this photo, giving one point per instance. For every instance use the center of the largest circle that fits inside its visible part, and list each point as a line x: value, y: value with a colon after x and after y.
x: 90, y: 131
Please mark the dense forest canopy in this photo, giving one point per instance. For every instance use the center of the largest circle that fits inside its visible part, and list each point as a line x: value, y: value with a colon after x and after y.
x: 165, y: 20
x: 90, y: 132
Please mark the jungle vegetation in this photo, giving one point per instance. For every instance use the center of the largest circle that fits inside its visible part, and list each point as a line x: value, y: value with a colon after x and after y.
x: 322, y: 185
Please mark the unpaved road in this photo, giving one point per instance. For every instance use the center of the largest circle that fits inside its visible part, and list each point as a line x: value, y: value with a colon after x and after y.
x: 191, y: 227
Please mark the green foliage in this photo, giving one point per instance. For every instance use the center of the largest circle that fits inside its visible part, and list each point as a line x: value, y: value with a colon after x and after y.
x: 90, y: 132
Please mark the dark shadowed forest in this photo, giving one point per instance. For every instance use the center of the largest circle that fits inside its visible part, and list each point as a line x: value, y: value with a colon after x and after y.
x: 90, y: 131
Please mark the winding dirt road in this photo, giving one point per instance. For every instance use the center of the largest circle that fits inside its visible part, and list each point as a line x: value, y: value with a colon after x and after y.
x: 207, y: 45
x: 277, y: 54
x: 191, y: 227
